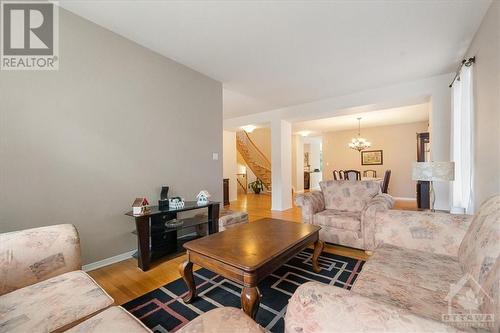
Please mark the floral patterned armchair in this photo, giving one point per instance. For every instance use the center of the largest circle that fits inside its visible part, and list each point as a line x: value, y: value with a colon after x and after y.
x: 345, y: 210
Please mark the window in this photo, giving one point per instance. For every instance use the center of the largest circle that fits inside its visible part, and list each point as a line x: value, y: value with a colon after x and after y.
x: 462, y: 141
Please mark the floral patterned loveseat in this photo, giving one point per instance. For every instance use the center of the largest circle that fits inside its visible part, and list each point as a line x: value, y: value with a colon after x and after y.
x: 430, y: 272
x: 345, y: 210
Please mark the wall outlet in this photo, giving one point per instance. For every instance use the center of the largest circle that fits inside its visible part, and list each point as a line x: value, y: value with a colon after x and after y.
x: 215, y: 156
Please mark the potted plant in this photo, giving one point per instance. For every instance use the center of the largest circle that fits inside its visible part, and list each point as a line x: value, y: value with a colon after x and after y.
x: 256, y: 186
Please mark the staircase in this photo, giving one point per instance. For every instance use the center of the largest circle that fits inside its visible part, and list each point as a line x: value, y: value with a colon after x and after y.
x: 254, y: 158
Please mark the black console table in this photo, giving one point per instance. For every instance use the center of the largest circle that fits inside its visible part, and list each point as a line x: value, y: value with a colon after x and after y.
x: 155, y: 241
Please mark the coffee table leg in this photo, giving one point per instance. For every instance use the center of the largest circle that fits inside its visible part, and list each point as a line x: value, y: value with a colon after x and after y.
x: 186, y: 270
x: 318, y: 248
x: 250, y: 300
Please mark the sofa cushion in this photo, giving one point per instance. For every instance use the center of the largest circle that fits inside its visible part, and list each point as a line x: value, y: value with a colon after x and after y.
x: 480, y: 247
x: 433, y: 232
x: 351, y: 238
x: 113, y: 319
x: 348, y: 195
x: 33, y: 255
x: 416, y: 268
x: 415, y: 280
x: 420, y: 301
x: 52, y: 304
x: 338, y: 219
x: 317, y: 307
x: 219, y: 320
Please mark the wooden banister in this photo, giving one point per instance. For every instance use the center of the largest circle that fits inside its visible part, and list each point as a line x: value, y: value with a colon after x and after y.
x: 254, y: 158
x: 255, y: 146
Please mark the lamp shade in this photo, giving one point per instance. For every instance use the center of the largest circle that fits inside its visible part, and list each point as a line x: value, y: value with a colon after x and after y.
x: 434, y: 171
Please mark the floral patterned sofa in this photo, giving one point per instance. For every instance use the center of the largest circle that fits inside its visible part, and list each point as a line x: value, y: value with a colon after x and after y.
x: 430, y: 272
x: 42, y: 288
x: 345, y: 210
x: 228, y: 219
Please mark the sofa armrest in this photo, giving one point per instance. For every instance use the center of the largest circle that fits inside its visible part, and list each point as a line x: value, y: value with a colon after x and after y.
x: 379, y: 203
x: 317, y: 307
x: 434, y: 232
x: 34, y: 255
x: 311, y: 203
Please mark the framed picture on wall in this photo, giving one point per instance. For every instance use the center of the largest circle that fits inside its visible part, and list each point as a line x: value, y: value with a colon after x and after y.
x: 372, y: 157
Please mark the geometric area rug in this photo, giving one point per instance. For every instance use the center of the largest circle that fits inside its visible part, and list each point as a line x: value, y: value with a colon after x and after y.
x: 162, y: 310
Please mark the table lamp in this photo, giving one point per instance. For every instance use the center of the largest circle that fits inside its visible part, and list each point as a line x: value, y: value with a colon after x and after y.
x: 433, y: 171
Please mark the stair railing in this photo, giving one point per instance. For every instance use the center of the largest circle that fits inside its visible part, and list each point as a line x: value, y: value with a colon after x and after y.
x: 254, y: 158
x: 252, y: 151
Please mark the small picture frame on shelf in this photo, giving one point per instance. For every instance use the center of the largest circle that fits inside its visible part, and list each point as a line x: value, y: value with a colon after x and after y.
x: 163, y: 202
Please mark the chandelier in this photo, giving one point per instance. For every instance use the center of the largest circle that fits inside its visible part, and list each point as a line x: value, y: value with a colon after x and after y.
x: 359, y: 143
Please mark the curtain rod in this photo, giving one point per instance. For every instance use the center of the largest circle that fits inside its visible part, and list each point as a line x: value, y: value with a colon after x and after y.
x: 466, y: 63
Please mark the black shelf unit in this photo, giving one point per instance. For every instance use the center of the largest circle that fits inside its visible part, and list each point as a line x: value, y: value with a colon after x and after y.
x: 156, y: 241
x: 167, y: 255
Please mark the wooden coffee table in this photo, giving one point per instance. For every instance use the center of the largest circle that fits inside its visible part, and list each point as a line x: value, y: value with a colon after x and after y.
x: 246, y: 254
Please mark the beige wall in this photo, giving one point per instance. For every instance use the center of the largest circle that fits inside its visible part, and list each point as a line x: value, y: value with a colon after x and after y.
x: 398, y: 143
x: 486, y: 47
x: 262, y: 139
x: 115, y: 122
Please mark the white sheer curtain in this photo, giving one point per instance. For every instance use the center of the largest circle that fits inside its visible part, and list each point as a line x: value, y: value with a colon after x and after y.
x: 462, y: 141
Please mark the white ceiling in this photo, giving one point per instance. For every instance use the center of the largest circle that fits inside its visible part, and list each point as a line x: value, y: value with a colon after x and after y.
x: 271, y: 54
x: 401, y: 115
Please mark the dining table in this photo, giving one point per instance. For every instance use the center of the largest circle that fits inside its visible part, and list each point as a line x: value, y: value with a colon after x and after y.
x: 377, y: 179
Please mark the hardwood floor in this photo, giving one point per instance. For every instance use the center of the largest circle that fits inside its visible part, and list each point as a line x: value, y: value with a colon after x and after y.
x: 405, y: 204
x: 124, y: 281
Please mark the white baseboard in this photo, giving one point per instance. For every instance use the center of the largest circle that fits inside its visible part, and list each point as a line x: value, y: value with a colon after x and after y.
x: 108, y: 261
x: 404, y: 198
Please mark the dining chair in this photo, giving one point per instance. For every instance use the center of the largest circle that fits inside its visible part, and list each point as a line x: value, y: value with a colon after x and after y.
x: 336, y: 175
x: 341, y: 174
x: 352, y: 174
x: 385, y: 183
x: 367, y: 172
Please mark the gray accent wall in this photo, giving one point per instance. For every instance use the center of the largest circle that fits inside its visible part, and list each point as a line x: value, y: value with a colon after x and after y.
x: 114, y: 123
